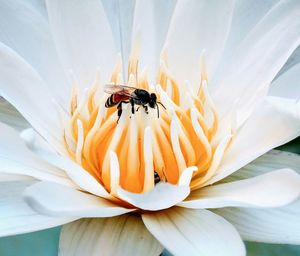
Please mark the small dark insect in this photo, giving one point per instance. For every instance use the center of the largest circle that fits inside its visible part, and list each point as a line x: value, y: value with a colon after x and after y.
x: 124, y: 94
x: 156, y: 178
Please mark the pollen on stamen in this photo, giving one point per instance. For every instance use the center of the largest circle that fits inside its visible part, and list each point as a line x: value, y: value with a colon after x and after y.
x: 139, y: 148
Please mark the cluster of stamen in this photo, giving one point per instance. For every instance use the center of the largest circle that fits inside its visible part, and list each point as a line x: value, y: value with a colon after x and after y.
x: 145, y: 149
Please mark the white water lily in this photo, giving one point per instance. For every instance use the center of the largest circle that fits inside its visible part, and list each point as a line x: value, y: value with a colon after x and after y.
x: 211, y: 65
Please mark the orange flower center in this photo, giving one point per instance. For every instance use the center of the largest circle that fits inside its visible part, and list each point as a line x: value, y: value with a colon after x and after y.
x: 148, y: 149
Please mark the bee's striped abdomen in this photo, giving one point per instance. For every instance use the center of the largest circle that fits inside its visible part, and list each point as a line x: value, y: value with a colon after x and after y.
x: 110, y: 101
x: 115, y: 99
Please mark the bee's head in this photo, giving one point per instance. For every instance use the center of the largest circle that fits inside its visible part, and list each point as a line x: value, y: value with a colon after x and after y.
x: 152, y: 101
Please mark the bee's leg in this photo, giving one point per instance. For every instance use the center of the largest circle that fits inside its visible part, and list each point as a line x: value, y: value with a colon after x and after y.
x: 146, y: 109
x: 132, y: 106
x: 119, y: 107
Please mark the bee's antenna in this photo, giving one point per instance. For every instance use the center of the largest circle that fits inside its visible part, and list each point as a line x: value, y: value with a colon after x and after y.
x: 161, y: 104
x: 156, y: 103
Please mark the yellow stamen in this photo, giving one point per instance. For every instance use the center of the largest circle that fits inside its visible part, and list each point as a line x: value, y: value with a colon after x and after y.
x: 128, y: 153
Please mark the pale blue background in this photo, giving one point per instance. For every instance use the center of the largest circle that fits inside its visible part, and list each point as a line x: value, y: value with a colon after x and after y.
x: 45, y: 243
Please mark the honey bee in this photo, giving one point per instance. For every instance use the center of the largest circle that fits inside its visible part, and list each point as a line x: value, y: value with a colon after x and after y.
x: 121, y: 94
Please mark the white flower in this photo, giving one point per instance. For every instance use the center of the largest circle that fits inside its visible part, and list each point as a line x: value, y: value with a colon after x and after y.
x: 211, y: 65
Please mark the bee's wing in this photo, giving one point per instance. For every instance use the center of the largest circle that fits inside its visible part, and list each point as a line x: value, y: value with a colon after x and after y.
x: 119, y: 89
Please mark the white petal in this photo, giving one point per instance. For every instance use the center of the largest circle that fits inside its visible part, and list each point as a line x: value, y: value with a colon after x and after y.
x: 122, y: 235
x: 83, y: 38
x: 194, y: 232
x: 26, y: 30
x: 151, y: 21
x: 52, y: 199
x: 162, y: 196
x: 287, y: 85
x: 278, y: 225
x: 11, y: 116
x: 120, y: 15
x: 13, y: 177
x: 245, y: 16
x: 292, y: 61
x: 16, y: 216
x: 255, y: 63
x: 76, y: 173
x: 24, y: 89
x: 39, y: 6
x: 114, y: 172
x: 254, y: 192
x: 270, y: 161
x: 274, y: 123
x: 33, y: 140
x: 16, y: 158
x: 186, y: 176
x: 197, y: 26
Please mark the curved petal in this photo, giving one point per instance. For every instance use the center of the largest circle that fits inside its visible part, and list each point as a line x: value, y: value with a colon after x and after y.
x: 122, y: 235
x: 16, y: 158
x: 151, y: 23
x: 25, y: 29
x: 75, y: 172
x: 268, y: 162
x: 52, y: 199
x: 197, y: 26
x: 83, y: 38
x: 255, y: 63
x: 162, y: 196
x: 288, y: 84
x: 274, y: 123
x: 194, y: 232
x: 279, y: 225
x: 253, y: 192
x: 16, y: 216
x: 9, y: 115
x: 78, y: 176
x: 25, y: 90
